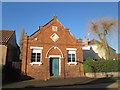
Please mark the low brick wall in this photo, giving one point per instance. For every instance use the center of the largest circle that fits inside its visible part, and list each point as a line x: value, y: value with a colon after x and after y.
x: 102, y: 74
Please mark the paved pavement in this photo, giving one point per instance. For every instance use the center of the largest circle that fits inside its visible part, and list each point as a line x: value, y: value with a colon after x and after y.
x: 67, y: 83
x: 100, y: 85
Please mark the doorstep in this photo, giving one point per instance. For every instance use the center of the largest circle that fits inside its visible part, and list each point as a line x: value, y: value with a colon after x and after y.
x: 56, y: 77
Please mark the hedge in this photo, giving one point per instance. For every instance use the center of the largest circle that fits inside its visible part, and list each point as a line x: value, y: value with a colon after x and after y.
x: 101, y: 65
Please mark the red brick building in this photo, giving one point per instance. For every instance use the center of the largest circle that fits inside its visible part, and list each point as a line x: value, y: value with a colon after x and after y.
x: 52, y: 51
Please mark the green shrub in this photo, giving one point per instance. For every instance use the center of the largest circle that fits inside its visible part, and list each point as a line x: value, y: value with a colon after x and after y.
x: 87, y: 68
x: 101, y: 65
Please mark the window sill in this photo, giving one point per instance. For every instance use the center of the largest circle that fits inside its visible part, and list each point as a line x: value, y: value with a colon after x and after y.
x: 33, y: 63
x: 69, y: 63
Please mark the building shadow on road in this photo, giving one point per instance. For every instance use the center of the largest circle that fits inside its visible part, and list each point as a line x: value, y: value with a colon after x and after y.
x: 104, y: 81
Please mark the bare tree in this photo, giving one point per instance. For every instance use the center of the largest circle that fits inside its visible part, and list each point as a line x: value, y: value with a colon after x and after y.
x: 102, y: 27
x: 21, y: 40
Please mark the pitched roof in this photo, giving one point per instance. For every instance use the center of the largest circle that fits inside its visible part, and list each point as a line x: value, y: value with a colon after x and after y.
x: 5, y: 35
x: 93, y: 41
x: 54, y: 18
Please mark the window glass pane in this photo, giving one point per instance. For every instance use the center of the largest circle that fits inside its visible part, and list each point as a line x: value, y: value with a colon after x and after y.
x: 73, y: 57
x: 33, y: 57
x: 69, y: 57
x: 38, y: 57
x: 38, y: 54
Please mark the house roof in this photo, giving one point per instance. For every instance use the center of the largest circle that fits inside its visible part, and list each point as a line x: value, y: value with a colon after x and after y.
x: 94, y: 41
x: 5, y: 35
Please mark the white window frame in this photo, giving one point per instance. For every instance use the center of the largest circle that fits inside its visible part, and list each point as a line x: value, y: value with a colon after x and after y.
x: 38, y: 63
x: 72, y: 49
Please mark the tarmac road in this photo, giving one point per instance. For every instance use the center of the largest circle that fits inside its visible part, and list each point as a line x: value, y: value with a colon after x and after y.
x: 67, y: 83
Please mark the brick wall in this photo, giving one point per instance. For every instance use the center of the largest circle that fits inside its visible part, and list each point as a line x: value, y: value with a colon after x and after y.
x: 66, y: 40
x: 118, y: 56
x: 101, y: 75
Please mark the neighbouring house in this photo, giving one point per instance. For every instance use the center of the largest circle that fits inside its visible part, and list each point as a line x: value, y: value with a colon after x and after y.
x: 118, y: 56
x: 9, y: 50
x: 92, y: 50
x: 52, y: 51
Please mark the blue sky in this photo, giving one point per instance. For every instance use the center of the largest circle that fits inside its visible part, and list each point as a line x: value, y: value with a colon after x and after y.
x: 73, y: 15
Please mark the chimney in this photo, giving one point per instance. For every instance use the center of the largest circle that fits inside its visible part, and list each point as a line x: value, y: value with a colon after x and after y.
x: 86, y: 41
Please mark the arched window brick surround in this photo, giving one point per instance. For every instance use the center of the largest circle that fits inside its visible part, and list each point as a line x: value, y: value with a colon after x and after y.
x: 54, y: 47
